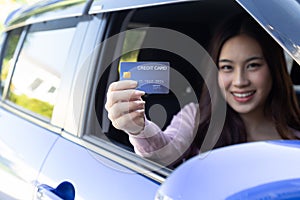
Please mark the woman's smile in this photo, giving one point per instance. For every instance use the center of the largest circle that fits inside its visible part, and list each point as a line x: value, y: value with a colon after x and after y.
x: 243, y: 97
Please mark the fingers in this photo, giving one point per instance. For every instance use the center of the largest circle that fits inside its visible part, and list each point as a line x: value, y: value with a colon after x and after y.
x: 122, y: 85
x: 121, y: 91
x: 121, y: 108
x: 132, y: 122
x: 125, y: 106
x: 123, y: 96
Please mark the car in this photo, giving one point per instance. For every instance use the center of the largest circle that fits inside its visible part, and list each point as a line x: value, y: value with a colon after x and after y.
x: 57, y: 60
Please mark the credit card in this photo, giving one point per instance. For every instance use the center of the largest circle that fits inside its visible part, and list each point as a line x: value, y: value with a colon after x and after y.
x: 152, y: 77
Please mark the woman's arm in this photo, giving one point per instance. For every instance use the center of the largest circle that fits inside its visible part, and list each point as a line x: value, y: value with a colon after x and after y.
x: 165, y: 147
x: 126, y: 111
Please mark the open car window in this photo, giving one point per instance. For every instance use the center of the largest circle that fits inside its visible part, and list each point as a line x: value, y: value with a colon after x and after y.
x: 196, y: 20
x: 188, y: 19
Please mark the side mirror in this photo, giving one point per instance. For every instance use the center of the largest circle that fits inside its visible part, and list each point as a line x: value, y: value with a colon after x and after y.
x: 257, y: 170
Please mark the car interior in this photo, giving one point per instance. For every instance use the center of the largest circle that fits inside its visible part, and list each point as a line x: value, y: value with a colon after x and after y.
x: 195, y: 19
x: 187, y: 18
x: 295, y: 71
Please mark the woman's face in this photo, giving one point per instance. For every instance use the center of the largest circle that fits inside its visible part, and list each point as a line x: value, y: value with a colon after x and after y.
x: 244, y: 75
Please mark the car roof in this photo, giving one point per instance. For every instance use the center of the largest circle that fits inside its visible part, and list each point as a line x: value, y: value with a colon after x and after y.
x: 55, y: 9
x: 286, y: 34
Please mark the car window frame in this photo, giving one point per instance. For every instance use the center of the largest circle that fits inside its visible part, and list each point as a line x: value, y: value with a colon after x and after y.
x: 18, y: 110
x: 5, y: 39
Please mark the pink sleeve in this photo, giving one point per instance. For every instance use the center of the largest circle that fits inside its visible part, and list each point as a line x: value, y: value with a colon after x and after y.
x: 167, y: 146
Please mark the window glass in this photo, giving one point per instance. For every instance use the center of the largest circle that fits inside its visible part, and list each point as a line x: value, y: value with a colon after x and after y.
x: 8, y: 52
x: 132, y: 38
x: 37, y: 75
x: 2, y: 36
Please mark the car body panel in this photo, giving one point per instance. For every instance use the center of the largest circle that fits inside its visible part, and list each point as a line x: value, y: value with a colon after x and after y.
x: 93, y: 176
x: 240, y: 167
x: 108, y: 6
x: 283, y: 26
x: 21, y: 157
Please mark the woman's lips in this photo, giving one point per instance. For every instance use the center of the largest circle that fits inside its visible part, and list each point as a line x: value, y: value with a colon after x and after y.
x: 243, y: 97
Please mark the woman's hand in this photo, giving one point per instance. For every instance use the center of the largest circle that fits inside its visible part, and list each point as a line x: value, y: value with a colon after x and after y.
x: 125, y: 106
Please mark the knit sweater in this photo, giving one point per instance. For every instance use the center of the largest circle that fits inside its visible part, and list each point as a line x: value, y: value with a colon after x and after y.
x: 169, y: 145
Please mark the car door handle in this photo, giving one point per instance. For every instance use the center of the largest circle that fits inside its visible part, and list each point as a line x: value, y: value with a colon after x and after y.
x: 64, y: 191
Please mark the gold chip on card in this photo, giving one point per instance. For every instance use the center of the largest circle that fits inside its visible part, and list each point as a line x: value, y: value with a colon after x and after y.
x: 126, y: 74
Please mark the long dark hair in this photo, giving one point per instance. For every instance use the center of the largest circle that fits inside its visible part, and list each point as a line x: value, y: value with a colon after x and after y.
x: 281, y: 102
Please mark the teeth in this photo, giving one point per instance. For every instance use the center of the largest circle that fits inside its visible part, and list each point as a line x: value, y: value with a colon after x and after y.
x: 243, y: 95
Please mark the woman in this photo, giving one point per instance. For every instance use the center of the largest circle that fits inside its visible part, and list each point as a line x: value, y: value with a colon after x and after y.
x: 252, y: 78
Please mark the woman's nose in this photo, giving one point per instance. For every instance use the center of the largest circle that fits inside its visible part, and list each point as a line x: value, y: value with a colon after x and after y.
x: 240, y: 78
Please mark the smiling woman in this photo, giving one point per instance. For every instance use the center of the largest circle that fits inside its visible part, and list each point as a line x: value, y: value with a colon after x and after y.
x: 246, y: 82
x: 255, y: 83
x: 252, y: 78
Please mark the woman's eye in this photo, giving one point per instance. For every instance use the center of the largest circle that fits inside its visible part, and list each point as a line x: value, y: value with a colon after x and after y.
x: 226, y: 68
x: 253, y: 65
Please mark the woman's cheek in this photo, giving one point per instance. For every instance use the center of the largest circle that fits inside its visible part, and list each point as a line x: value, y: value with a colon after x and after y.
x: 223, y: 83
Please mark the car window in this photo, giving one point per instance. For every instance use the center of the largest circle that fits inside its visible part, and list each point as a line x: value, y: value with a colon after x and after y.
x: 8, y: 53
x: 189, y: 19
x: 195, y: 20
x: 134, y: 38
x: 37, y: 74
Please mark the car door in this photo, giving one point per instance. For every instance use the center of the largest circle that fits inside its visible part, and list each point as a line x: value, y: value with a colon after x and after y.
x: 23, y: 144
x: 93, y: 160
x: 85, y: 161
x: 33, y: 61
x: 90, y: 171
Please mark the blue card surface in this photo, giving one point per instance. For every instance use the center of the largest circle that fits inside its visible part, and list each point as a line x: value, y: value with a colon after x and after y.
x: 152, y: 77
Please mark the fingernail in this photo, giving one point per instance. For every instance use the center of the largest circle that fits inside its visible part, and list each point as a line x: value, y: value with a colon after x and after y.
x: 140, y: 111
x: 139, y: 92
x: 134, y: 83
x: 140, y: 103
